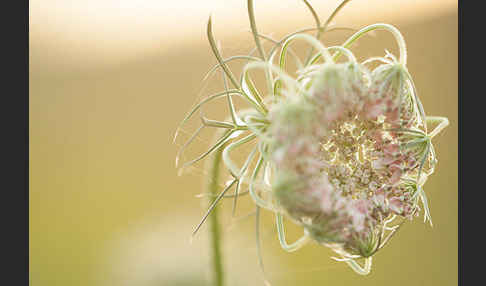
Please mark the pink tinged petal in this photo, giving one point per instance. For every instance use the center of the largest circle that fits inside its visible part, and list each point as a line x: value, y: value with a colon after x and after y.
x: 358, y: 210
x: 375, y: 111
x: 396, y: 205
x: 388, y: 159
x: 358, y: 222
x: 331, y: 116
x: 383, y: 161
x: 326, y: 204
x: 340, y: 203
x: 379, y: 197
x: 361, y: 206
x: 397, y: 174
x: 407, y: 210
x: 392, y: 116
x: 377, y: 164
x: 326, y: 191
x: 391, y: 149
x: 378, y: 135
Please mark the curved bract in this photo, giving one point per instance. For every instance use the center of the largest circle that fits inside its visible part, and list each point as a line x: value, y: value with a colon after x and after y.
x: 342, y: 150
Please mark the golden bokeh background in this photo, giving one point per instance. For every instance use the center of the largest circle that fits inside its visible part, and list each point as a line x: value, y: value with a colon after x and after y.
x: 110, y: 81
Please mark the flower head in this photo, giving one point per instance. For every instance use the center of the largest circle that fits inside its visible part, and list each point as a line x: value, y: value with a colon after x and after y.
x: 344, y: 149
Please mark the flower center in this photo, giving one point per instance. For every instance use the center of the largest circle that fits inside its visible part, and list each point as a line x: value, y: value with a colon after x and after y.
x: 352, y: 150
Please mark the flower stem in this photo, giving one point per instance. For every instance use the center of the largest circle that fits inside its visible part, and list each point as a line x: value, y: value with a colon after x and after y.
x: 214, y: 230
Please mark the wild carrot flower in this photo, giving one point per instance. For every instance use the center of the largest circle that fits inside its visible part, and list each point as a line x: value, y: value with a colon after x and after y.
x: 343, y: 148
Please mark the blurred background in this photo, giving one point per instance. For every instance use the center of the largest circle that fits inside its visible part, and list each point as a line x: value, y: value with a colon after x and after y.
x: 109, y: 83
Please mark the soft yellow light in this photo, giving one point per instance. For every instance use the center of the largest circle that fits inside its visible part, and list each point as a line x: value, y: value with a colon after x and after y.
x: 89, y: 33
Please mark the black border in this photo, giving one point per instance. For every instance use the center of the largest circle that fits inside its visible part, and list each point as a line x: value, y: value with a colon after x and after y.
x: 471, y: 94
x: 15, y: 136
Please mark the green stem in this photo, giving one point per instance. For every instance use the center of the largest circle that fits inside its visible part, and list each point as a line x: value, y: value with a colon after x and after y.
x: 214, y: 231
x: 251, y: 15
